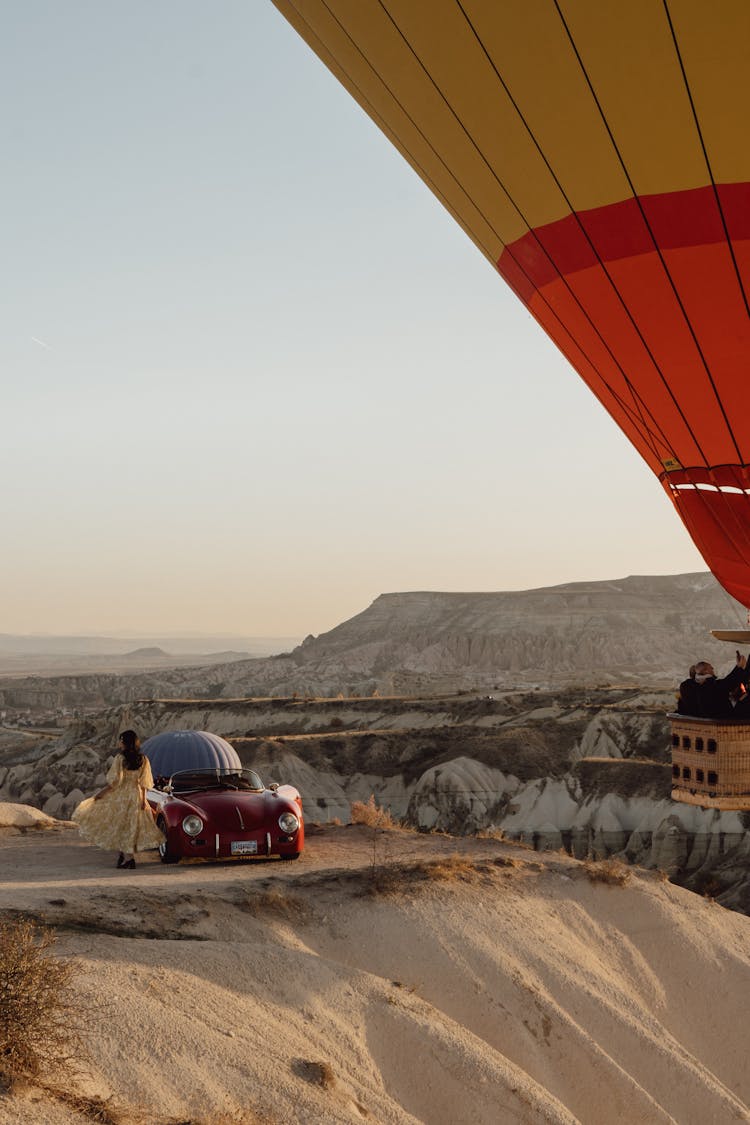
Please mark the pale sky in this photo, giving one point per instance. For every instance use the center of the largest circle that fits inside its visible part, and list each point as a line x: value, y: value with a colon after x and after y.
x: 253, y: 374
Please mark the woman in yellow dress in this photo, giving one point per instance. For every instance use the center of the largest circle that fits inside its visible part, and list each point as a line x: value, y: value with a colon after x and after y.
x: 118, y: 817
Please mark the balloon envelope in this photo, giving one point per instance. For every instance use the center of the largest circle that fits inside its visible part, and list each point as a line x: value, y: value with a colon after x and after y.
x: 597, y: 155
x: 189, y: 750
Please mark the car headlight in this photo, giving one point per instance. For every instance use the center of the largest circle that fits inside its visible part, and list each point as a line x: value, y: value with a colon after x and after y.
x: 288, y: 822
x: 192, y: 825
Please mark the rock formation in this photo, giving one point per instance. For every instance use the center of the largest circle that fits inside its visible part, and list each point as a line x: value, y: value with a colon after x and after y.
x: 583, y: 770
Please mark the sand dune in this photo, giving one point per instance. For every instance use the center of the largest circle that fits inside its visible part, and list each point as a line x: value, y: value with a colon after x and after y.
x: 476, y: 983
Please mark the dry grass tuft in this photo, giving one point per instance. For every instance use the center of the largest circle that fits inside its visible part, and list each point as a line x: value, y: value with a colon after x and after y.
x: 102, y: 1110
x: 452, y: 869
x: 509, y: 861
x: 610, y: 871
x: 245, y: 1117
x: 395, y: 878
x: 278, y: 903
x: 707, y: 884
x: 490, y: 834
x: 40, y: 1017
x: 370, y: 814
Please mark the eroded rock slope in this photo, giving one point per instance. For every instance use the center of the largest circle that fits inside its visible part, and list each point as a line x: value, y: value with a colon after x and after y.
x: 582, y: 770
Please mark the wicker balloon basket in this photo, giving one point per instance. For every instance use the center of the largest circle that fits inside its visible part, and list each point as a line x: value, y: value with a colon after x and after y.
x: 710, y: 762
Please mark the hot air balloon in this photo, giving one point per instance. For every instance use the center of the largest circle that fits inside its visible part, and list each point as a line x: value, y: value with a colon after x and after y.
x: 597, y: 155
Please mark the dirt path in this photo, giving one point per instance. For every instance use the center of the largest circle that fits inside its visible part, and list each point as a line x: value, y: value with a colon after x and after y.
x: 44, y: 869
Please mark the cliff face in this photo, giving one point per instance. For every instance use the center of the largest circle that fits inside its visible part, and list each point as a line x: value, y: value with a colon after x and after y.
x: 639, y: 628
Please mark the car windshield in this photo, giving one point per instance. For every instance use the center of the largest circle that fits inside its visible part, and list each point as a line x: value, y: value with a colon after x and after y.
x: 189, y: 781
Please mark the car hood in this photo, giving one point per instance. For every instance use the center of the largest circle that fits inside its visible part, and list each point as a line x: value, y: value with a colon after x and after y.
x: 255, y: 809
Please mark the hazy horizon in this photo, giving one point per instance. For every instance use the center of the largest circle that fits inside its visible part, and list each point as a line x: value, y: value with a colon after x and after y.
x: 107, y: 644
x: 256, y: 375
x: 123, y: 634
x: 185, y: 637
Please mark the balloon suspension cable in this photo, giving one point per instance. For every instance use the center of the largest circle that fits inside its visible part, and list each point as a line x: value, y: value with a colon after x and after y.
x: 739, y: 636
x: 735, y: 609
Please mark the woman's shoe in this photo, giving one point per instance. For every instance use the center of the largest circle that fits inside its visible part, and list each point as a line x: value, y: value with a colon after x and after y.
x: 121, y: 860
x: 129, y: 863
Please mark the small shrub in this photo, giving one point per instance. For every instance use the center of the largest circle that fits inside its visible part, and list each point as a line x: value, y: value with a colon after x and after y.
x: 39, y: 1018
x: 370, y: 814
x: 610, y: 871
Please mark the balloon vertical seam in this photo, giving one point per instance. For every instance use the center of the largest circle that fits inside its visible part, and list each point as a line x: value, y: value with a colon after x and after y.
x: 657, y: 248
x: 704, y: 150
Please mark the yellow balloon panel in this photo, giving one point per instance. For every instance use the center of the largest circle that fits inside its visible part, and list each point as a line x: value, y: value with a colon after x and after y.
x: 628, y: 54
x: 714, y: 44
x: 447, y: 50
x: 534, y: 58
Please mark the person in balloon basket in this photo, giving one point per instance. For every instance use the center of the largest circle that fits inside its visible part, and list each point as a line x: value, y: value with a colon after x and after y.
x: 119, y: 817
x: 706, y: 696
x: 687, y: 700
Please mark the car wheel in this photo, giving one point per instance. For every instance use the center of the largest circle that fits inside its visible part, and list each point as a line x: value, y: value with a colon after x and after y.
x: 291, y: 855
x: 164, y: 853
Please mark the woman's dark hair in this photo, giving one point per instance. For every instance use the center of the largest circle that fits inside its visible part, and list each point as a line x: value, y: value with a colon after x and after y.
x: 131, y: 749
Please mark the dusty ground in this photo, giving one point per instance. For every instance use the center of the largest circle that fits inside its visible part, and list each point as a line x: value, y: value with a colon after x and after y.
x: 394, y: 977
x: 40, y: 868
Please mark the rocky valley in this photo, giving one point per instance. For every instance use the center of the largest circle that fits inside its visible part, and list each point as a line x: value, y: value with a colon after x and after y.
x: 584, y: 770
x: 539, y: 714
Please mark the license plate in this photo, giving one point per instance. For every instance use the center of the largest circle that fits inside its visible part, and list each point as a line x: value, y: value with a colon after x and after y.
x: 244, y: 847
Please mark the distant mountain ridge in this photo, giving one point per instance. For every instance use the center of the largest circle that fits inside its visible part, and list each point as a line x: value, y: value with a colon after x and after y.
x: 39, y: 644
x: 574, y: 604
x: 640, y: 629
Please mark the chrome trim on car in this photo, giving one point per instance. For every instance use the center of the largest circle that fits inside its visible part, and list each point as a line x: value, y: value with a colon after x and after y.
x: 239, y: 814
x: 268, y: 843
x: 217, y: 843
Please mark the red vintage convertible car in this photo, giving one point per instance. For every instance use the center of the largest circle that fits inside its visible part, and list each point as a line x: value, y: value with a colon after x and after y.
x: 218, y: 811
